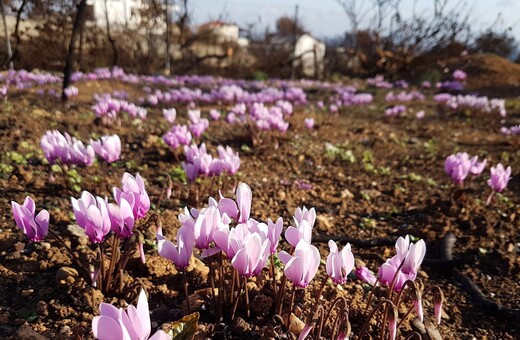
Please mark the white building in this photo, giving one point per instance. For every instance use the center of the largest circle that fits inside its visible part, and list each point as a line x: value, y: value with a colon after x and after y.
x: 126, y: 13
x: 307, y: 53
x: 120, y: 12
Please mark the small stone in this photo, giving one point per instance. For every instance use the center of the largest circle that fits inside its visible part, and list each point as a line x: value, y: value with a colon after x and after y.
x: 240, y: 326
x: 19, y: 246
x: 25, y: 332
x: 296, y: 324
x: 281, y: 195
x: 66, y: 275
x: 27, y: 292
x: 346, y: 194
x: 324, y: 223
x: 261, y: 304
x: 92, y: 296
x: 198, y: 268
x: 45, y: 245
x: 42, y: 308
x: 372, y: 193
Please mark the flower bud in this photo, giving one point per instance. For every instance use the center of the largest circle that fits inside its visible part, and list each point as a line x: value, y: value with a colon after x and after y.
x: 438, y: 299
x: 392, y: 315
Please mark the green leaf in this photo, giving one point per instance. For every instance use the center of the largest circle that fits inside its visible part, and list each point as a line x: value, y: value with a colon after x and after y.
x: 26, y: 314
x: 185, y: 328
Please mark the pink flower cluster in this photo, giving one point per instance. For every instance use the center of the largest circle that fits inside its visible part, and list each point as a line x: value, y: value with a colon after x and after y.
x: 459, y: 75
x: 35, y: 227
x: 98, y: 217
x: 460, y: 165
x: 394, y: 111
x: 379, y: 82
x: 200, y: 163
x: 404, y: 96
x: 197, y: 124
x: 472, y: 103
x: 71, y: 91
x: 398, y: 269
x: 134, y: 323
x: 267, y: 118
x: 512, y: 130
x: 68, y: 150
x: 178, y: 135
x: 107, y: 108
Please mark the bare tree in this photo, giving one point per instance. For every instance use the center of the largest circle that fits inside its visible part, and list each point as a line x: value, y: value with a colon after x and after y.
x: 7, y: 37
x: 356, y: 12
x: 111, y: 40
x: 76, y: 29
x: 167, y: 19
x: 17, y: 30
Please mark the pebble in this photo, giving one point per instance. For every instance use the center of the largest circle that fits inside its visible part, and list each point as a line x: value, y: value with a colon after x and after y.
x: 27, y: 292
x: 45, y: 245
x: 66, y: 275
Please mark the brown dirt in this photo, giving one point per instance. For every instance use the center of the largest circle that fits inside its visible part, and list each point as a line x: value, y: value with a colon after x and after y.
x: 407, y: 193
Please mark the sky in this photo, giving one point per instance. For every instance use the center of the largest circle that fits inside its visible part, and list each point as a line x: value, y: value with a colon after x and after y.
x: 326, y: 19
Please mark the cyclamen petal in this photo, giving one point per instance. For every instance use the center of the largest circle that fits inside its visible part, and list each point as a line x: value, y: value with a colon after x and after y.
x: 244, y: 198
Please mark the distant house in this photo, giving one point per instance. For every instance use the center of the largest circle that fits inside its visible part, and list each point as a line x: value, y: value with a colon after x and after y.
x: 218, y: 42
x: 126, y: 13
x: 307, y: 53
x: 120, y: 12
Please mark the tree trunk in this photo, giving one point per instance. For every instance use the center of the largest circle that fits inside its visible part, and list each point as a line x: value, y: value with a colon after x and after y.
x: 7, y: 38
x: 17, y: 31
x: 111, y: 40
x: 167, y: 63
x: 76, y: 29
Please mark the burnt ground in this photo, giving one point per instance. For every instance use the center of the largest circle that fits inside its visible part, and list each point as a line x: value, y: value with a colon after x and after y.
x: 395, y: 186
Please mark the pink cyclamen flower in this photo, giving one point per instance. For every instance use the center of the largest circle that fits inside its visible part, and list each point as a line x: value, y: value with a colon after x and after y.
x: 459, y: 75
x: 34, y: 227
x: 309, y: 123
x: 108, y: 148
x: 274, y: 230
x: 308, y: 215
x: 303, y: 231
x: 135, y: 193
x: 244, y: 197
x: 366, y: 275
x: 122, y: 218
x: 339, y: 264
x: 181, y: 252
x: 404, y: 265
x: 420, y: 114
x: 303, y: 265
x: 214, y: 114
x: 92, y: 215
x: 251, y: 258
x: 477, y: 167
x: 132, y: 324
x: 438, y: 299
x: 206, y: 223
x: 170, y: 115
x: 499, y: 177
x: 392, y: 322
x: 304, y: 220
x: 458, y: 166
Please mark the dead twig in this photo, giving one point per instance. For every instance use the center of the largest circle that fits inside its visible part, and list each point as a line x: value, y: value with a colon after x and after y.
x: 471, y: 288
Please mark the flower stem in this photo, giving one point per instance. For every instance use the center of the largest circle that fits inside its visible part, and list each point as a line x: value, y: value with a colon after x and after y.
x: 236, y: 303
x: 371, y: 314
x: 248, y: 312
x: 289, y: 316
x: 113, y: 259
x: 185, y: 277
